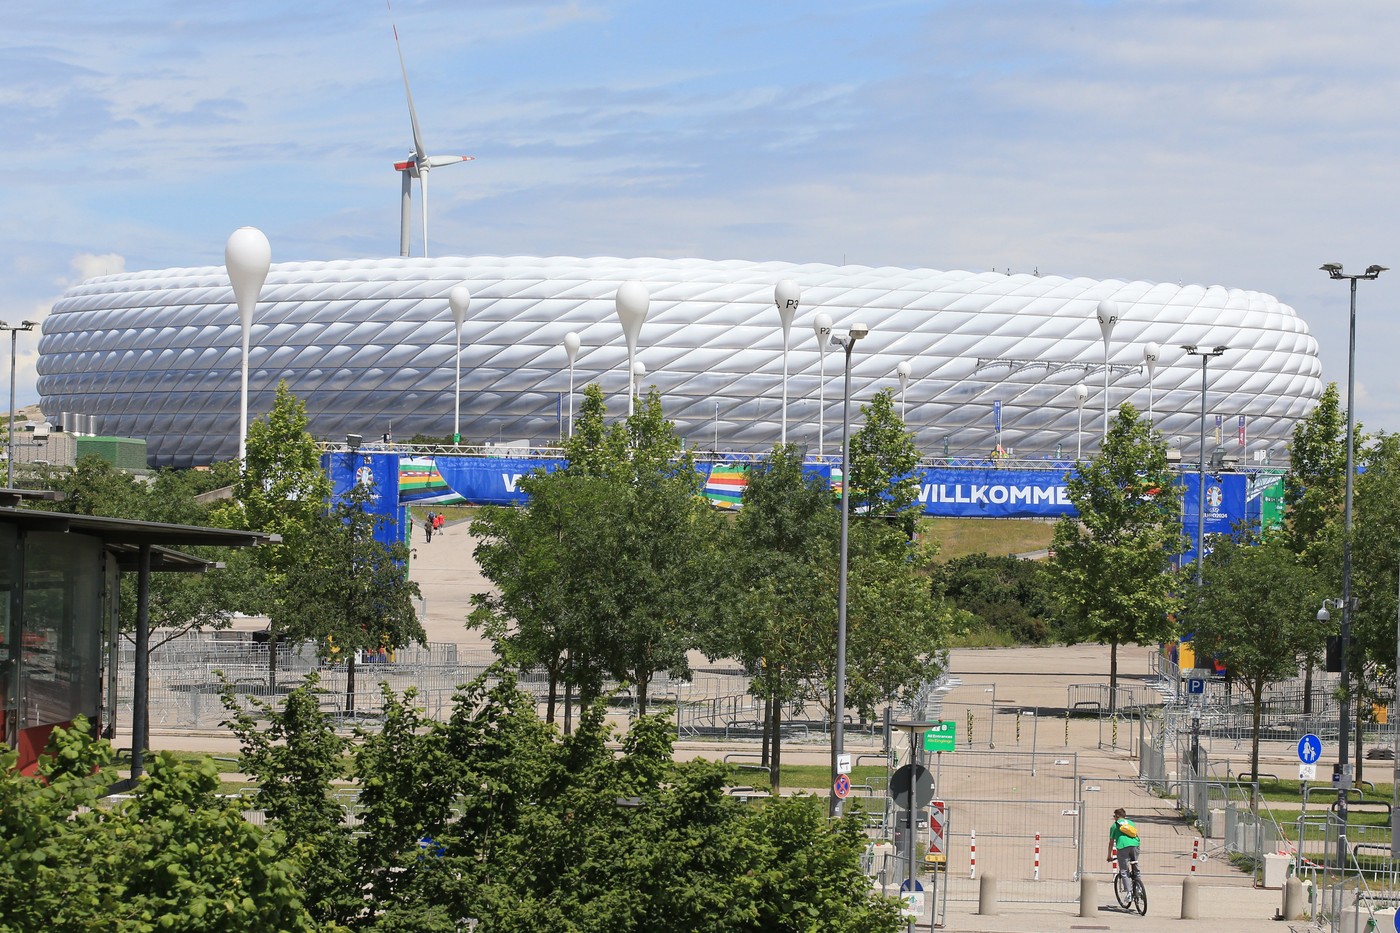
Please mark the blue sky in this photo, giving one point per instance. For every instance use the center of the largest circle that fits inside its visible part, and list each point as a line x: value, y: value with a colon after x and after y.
x: 1233, y: 143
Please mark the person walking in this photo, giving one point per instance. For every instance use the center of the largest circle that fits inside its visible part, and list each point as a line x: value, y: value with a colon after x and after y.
x: 428, y: 525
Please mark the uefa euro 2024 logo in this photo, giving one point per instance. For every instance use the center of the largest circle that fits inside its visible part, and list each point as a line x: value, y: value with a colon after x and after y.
x: 1214, y: 497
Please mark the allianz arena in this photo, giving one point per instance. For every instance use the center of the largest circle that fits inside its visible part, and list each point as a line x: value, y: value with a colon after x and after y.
x: 369, y: 346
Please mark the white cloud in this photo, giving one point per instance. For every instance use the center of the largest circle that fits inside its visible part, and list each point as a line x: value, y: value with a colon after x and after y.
x: 88, y: 265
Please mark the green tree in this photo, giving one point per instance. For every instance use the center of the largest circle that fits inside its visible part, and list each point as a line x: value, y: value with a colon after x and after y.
x: 281, y: 490
x: 96, y: 487
x: 896, y: 629
x: 883, y: 459
x: 782, y: 584
x: 1110, y: 577
x: 295, y: 758
x: 635, y: 579
x: 527, y: 553
x: 349, y: 591
x: 1314, y: 494
x: 175, y: 856
x: 1375, y: 549
x: 1255, y: 613
x: 1314, y: 487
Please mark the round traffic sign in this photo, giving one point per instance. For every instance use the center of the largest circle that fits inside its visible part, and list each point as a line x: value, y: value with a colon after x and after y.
x: 911, y: 787
x: 842, y: 787
x: 1309, y: 749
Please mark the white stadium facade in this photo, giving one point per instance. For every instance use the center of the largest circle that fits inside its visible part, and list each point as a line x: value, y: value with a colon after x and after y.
x: 369, y: 346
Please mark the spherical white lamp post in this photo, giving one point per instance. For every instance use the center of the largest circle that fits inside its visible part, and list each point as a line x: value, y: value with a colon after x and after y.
x: 822, y: 325
x: 1081, y: 395
x: 460, y: 300
x: 247, y: 257
x: 1108, y: 316
x: 1150, y: 354
x: 632, y: 302
x: 787, y: 297
x: 904, y: 369
x: 571, y: 345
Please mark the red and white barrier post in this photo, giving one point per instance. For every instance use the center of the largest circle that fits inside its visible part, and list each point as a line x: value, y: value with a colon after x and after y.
x: 1195, y: 854
x: 1114, y: 864
x: 972, y: 857
x: 1035, y: 876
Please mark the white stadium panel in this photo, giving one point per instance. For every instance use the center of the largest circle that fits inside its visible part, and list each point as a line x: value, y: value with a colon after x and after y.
x: 369, y: 346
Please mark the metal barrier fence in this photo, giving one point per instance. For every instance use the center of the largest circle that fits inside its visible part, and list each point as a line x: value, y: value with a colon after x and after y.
x: 1100, y: 700
x: 185, y: 682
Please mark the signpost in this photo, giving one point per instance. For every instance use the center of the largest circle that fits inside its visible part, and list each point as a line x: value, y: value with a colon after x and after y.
x: 911, y: 788
x: 911, y: 899
x: 842, y: 787
x: 937, y: 854
x: 1309, y: 751
x: 941, y: 737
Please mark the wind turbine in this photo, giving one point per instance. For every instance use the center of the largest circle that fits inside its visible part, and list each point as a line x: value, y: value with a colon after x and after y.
x: 419, y: 163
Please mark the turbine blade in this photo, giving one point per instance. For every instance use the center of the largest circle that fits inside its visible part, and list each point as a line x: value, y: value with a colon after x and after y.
x: 421, y: 153
x: 438, y: 160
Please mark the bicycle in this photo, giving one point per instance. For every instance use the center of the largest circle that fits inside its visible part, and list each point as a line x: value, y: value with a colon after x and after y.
x: 1134, y: 896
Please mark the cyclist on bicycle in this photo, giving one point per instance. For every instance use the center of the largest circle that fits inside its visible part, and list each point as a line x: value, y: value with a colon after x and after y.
x: 1123, y: 835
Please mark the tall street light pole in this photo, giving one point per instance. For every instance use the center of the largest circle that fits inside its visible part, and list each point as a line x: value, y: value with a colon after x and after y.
x: 1205, y: 355
x: 460, y: 300
x: 787, y: 297
x: 822, y: 325
x: 632, y: 304
x: 10, y: 443
x: 1334, y: 270
x: 846, y: 342
x: 247, y: 257
x: 1108, y: 316
x: 571, y: 345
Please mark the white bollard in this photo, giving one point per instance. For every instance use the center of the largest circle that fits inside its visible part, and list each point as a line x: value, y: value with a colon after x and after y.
x: 987, y: 896
x: 1190, y: 899
x: 1088, y: 896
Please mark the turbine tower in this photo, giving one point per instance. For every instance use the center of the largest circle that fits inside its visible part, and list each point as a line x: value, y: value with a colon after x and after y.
x: 418, y: 164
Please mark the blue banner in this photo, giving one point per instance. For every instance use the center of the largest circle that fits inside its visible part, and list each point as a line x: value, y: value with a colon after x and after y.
x: 971, y: 491
x: 994, y: 493
x: 1228, y: 502
x: 380, y: 472
x: 489, y: 480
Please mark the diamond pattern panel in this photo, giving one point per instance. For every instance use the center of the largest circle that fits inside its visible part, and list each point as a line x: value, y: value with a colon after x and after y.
x: 369, y: 345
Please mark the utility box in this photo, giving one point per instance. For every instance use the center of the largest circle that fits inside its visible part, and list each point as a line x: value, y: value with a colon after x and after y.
x: 1276, y: 870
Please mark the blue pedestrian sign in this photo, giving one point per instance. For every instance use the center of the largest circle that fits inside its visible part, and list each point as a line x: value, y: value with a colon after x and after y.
x: 1309, y: 749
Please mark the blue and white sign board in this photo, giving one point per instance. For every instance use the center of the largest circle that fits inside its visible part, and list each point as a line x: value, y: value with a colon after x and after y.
x: 1309, y: 749
x: 911, y: 903
x: 1196, y: 686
